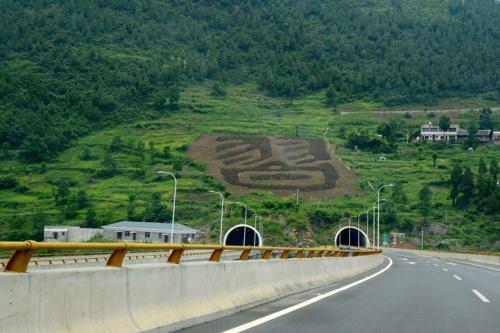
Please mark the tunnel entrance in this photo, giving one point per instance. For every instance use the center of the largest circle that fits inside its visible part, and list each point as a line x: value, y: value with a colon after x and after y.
x: 236, y: 234
x: 356, y: 236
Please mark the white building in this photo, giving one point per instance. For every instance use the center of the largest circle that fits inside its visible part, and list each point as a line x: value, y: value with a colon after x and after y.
x: 69, y: 234
x: 431, y: 132
x: 149, y: 232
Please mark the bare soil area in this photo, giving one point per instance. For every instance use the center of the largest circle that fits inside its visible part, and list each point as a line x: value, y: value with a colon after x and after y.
x: 277, y: 164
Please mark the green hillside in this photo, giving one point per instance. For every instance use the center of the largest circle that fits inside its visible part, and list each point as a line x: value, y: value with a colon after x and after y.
x: 123, y: 184
x: 96, y: 96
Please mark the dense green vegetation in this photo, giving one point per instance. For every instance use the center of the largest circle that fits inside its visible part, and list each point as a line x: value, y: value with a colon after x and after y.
x: 111, y: 175
x: 96, y: 96
x: 70, y: 67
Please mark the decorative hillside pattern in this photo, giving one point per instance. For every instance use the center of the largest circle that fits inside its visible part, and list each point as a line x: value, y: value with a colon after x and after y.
x: 281, y: 165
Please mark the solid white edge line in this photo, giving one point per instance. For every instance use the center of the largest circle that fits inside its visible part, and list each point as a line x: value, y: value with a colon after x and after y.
x: 457, y: 277
x: 468, y: 263
x: 296, y: 307
x: 481, y: 296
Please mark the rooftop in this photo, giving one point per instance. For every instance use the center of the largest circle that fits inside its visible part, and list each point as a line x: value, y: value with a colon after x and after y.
x: 151, y: 226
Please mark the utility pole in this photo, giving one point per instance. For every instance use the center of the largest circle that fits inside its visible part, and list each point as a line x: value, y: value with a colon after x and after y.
x: 422, y: 244
x: 297, y: 196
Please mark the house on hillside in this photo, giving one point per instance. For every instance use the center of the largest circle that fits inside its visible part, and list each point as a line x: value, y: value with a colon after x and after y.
x: 152, y: 232
x: 431, y: 132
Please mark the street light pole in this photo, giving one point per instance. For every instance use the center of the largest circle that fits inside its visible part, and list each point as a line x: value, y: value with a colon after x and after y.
x: 173, y: 206
x: 221, y: 214
x: 255, y: 226
x: 378, y: 212
x: 246, y: 212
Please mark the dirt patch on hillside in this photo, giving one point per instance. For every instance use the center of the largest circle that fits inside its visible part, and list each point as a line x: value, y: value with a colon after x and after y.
x: 277, y: 164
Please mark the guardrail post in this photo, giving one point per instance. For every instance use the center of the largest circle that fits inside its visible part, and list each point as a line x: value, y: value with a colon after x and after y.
x: 175, y: 256
x: 320, y: 253
x: 310, y: 254
x: 245, y: 254
x: 19, y: 261
x: 116, y: 258
x: 266, y: 254
x: 216, y: 254
x: 298, y: 254
x: 284, y: 254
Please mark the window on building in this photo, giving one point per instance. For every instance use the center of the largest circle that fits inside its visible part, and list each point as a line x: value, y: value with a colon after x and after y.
x: 160, y: 235
x: 147, y: 234
x: 63, y: 233
x: 127, y: 233
x: 55, y: 235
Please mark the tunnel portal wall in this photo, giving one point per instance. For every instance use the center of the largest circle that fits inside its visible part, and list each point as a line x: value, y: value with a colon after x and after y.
x: 158, y: 297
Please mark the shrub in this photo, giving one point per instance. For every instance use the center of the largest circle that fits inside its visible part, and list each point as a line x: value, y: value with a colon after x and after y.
x: 8, y: 182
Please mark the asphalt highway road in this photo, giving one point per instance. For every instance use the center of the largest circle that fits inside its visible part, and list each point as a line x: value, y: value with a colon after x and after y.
x: 416, y: 294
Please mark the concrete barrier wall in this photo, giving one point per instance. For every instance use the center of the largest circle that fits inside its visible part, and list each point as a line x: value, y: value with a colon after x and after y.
x: 151, y: 296
x: 492, y: 260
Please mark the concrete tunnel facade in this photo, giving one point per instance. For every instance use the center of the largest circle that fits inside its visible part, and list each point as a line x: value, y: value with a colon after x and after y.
x: 351, y: 233
x: 236, y: 234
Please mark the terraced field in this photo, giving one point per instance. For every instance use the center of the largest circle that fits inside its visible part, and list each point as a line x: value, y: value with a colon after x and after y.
x: 282, y: 165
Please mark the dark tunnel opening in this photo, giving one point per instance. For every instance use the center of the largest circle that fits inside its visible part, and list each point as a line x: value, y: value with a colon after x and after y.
x: 236, y: 236
x: 352, y: 233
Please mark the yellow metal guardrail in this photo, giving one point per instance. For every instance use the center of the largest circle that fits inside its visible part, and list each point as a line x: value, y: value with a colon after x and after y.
x: 19, y: 261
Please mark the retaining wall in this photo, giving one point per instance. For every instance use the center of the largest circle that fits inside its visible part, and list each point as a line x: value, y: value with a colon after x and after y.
x: 147, y: 297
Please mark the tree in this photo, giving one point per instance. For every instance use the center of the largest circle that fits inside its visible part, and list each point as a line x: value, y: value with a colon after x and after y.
x: 116, y: 144
x: 38, y: 223
x: 482, y: 169
x: 455, y: 181
x: 425, y: 201
x: 434, y: 160
x: 217, y: 90
x: 331, y: 97
x: 444, y: 123
x: 82, y: 200
x: 494, y: 169
x: 85, y: 154
x: 398, y: 194
x: 485, y: 119
x: 61, y: 193
x: 156, y: 211
x: 90, y: 218
x: 131, y: 207
x: 466, y: 188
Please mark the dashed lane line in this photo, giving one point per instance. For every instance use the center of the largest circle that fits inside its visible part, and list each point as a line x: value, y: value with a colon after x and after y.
x: 457, y: 277
x: 480, y: 296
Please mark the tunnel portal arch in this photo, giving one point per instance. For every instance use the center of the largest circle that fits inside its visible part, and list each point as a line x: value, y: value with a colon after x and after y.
x: 234, y: 236
x: 342, y: 237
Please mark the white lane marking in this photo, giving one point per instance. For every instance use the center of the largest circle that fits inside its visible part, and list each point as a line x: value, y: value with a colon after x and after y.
x: 411, y: 262
x: 405, y: 259
x: 481, y: 296
x: 296, y: 307
x: 436, y: 265
x: 444, y: 269
x: 457, y: 277
x: 451, y: 263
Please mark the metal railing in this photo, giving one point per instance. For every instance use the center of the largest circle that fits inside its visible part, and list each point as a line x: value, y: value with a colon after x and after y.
x: 24, y: 251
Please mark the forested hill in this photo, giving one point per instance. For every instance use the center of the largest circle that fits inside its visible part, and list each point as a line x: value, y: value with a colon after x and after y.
x: 68, y: 67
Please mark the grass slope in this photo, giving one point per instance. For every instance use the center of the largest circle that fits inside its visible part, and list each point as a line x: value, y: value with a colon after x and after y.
x: 245, y: 111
